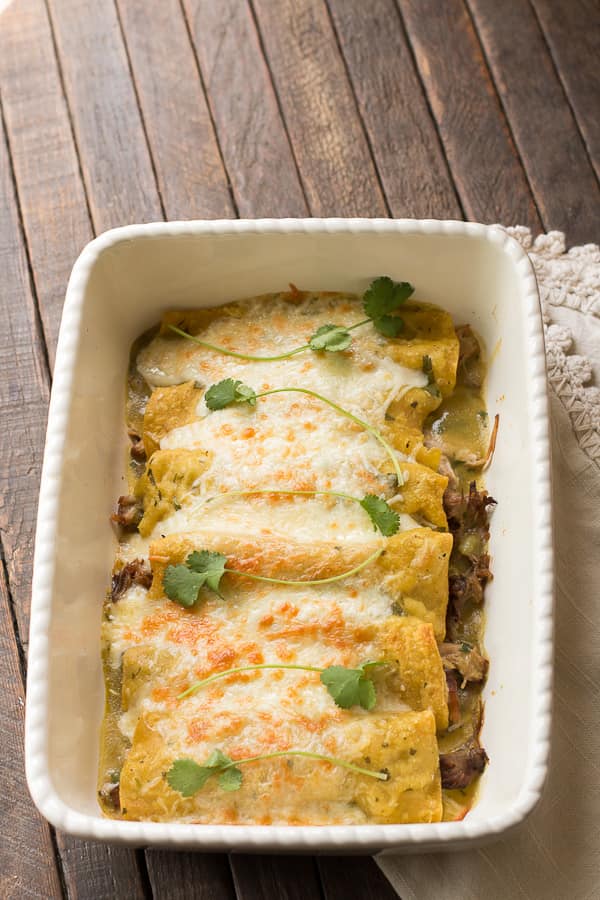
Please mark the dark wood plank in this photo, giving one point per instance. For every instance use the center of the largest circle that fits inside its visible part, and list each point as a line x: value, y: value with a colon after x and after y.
x: 189, y: 876
x: 113, y: 138
x: 345, y: 877
x: 51, y: 194
x: 554, y: 156
x: 188, y: 164
x: 99, y: 872
x: 281, y: 877
x: 24, y: 386
x: 320, y: 111
x: 572, y: 29
x: 115, y: 161
x: 27, y: 863
x: 49, y: 190
x: 483, y: 161
x: 253, y: 141
x: 23, y: 400
x: 402, y: 133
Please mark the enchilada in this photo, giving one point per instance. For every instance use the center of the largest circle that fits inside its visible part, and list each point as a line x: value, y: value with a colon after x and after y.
x: 280, y: 590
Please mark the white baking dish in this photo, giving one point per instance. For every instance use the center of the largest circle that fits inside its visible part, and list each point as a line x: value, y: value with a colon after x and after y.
x: 119, y: 286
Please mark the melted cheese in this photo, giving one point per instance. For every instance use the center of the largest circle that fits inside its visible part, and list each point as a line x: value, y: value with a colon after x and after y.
x: 287, y: 442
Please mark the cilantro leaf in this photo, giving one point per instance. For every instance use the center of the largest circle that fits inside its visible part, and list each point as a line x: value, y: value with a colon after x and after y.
x: 381, y: 514
x: 229, y: 391
x: 389, y: 326
x: 210, y: 565
x: 231, y: 779
x: 384, y: 296
x: 182, y: 585
x: 187, y: 777
x: 342, y: 684
x: 245, y: 394
x: 350, y: 687
x: 366, y: 693
x: 217, y: 760
x: 202, y: 569
x: 331, y: 337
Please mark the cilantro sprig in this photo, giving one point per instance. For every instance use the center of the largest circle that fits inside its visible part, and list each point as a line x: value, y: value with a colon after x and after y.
x: 381, y: 514
x: 381, y: 302
x: 334, y: 338
x: 351, y: 687
x: 384, y: 519
x: 187, y: 777
x: 347, y: 687
x: 205, y: 569
x: 229, y: 391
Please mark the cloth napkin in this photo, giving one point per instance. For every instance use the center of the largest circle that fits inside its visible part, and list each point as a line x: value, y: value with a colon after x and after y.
x: 555, y: 854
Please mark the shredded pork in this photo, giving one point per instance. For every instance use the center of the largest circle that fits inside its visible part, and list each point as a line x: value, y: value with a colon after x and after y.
x: 137, y: 450
x: 129, y: 512
x: 461, y: 767
x: 468, y: 522
x: 137, y: 571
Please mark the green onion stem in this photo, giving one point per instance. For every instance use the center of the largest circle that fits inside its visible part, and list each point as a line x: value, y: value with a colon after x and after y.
x: 247, y: 356
x: 348, y: 415
x: 199, y: 684
x: 380, y: 776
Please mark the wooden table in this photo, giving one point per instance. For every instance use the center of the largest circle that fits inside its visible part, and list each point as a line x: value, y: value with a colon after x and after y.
x: 117, y: 111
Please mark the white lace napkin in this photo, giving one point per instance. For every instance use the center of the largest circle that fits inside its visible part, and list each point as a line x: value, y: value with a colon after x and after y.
x: 555, y: 854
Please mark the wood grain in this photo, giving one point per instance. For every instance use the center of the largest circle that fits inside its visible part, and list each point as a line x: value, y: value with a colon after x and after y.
x: 115, y: 161
x: 25, y: 378
x: 281, y: 877
x: 27, y: 864
x: 186, y: 156
x: 320, y: 111
x: 345, y: 877
x: 559, y: 171
x: 49, y: 190
x: 51, y: 194
x: 255, y: 146
x: 485, y: 166
x: 572, y: 29
x: 350, y: 113
x: 392, y: 104
x: 189, y: 876
x: 99, y: 872
x: 23, y: 400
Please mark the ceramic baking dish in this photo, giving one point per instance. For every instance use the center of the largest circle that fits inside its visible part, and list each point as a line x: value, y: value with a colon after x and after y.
x: 119, y: 286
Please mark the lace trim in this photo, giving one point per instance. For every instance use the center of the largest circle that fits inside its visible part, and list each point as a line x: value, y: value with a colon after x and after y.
x: 568, y: 278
